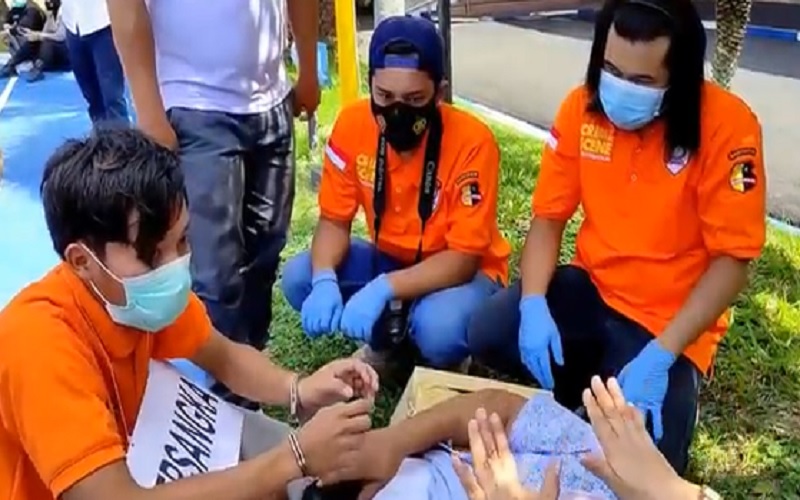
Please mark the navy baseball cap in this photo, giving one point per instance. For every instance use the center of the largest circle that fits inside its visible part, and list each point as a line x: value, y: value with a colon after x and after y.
x: 419, y: 33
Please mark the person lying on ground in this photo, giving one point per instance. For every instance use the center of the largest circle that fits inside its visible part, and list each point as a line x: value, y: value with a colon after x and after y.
x: 22, y: 14
x: 669, y: 171
x: 629, y: 463
x: 46, y: 48
x: 409, y: 460
x: 75, y: 346
x: 434, y: 174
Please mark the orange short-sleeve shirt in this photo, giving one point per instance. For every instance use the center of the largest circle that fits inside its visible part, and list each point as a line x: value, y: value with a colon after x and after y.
x: 465, y: 207
x: 72, y: 381
x: 654, y: 219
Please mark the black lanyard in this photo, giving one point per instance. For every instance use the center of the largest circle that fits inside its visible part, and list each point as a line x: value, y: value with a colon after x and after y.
x: 427, y: 191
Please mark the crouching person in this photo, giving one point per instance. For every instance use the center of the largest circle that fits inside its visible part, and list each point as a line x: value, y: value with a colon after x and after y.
x: 426, y: 176
x: 76, y: 346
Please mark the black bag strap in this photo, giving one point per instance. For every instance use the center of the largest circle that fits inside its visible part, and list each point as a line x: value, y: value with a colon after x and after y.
x: 427, y: 192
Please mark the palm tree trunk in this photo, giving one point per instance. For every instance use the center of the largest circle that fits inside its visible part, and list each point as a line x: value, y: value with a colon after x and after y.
x: 732, y: 19
x: 327, y: 21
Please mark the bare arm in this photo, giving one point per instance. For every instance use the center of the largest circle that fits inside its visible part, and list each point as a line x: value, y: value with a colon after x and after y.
x: 245, y: 370
x: 304, y: 19
x: 265, y: 476
x: 540, y: 255
x: 448, y: 420
x: 713, y: 294
x: 133, y: 37
x: 445, y: 269
x: 330, y: 244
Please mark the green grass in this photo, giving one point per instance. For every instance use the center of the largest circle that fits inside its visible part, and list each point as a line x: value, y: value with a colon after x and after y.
x: 748, y: 440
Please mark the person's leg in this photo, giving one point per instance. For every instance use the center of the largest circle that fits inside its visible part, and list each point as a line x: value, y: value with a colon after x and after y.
x: 439, y: 321
x: 625, y: 340
x: 85, y: 75
x: 269, y: 187
x: 213, y: 166
x: 52, y: 56
x: 354, y: 272
x: 260, y: 434
x: 46, y: 58
x: 26, y: 52
x: 109, y: 75
x: 493, y: 333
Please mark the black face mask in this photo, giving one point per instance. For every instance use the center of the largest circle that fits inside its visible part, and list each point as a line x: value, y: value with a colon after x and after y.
x: 404, y: 125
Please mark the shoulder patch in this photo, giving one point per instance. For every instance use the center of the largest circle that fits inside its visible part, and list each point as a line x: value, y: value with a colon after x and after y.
x: 743, y: 177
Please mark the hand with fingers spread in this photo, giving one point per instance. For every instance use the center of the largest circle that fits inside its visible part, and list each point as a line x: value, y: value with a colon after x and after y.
x: 538, y: 339
x: 645, y: 381
x: 331, y: 440
x: 336, y: 382
x: 631, y: 465
x: 494, y: 473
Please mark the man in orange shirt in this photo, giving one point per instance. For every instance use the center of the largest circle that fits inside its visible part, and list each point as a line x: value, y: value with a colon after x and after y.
x: 75, y: 346
x: 669, y: 171
x: 426, y: 175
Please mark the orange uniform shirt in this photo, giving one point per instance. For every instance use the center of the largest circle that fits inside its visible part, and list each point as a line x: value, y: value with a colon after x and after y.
x: 72, y: 381
x: 465, y: 207
x: 654, y: 219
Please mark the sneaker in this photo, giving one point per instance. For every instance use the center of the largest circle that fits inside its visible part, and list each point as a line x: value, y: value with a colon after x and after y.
x: 35, y: 75
x: 8, y: 71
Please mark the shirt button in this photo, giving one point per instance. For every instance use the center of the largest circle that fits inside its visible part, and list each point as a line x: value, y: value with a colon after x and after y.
x: 397, y: 208
x: 633, y: 177
x: 398, y: 190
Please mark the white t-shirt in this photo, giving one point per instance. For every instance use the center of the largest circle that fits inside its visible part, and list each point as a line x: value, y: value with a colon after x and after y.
x: 84, y: 17
x: 221, y: 55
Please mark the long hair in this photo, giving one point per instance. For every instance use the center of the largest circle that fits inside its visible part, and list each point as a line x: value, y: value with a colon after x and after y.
x: 644, y: 21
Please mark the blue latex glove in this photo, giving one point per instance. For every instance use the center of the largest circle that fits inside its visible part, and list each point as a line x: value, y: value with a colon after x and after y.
x: 644, y: 382
x: 322, y: 309
x: 538, y: 338
x: 365, y: 307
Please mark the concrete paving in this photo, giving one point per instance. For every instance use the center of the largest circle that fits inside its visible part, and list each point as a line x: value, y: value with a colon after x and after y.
x: 526, y: 69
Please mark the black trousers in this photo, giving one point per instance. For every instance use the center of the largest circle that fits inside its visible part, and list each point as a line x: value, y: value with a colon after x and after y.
x: 596, y: 340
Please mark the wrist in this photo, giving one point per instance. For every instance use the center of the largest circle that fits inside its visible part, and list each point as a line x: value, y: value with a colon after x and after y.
x: 280, y: 462
x: 666, y: 355
x: 323, y: 275
x: 385, y: 286
x: 680, y: 489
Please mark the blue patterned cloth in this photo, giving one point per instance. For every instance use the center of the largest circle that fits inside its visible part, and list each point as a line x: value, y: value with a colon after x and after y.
x: 543, y: 431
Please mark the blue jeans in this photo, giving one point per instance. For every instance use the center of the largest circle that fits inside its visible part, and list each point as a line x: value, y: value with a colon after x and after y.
x: 438, y: 321
x: 596, y: 340
x: 98, y: 72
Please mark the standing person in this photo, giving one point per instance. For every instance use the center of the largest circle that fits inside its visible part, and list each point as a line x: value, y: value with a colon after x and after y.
x: 224, y: 100
x: 94, y: 59
x: 426, y: 175
x: 669, y: 171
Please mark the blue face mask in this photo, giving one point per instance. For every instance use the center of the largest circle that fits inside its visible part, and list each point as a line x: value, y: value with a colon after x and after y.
x: 628, y: 105
x: 155, y: 299
x: 15, y: 4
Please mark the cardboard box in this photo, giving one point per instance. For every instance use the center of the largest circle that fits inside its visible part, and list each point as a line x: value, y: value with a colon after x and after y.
x: 427, y: 388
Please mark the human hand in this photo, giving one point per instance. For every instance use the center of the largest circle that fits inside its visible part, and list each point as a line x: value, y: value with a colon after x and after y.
x: 630, y: 464
x: 306, y: 95
x: 331, y: 440
x: 494, y: 473
x: 159, y: 129
x: 645, y: 380
x: 364, y: 308
x: 538, y: 338
x: 338, y: 381
x: 379, y: 460
x: 322, y: 309
x: 31, y: 36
